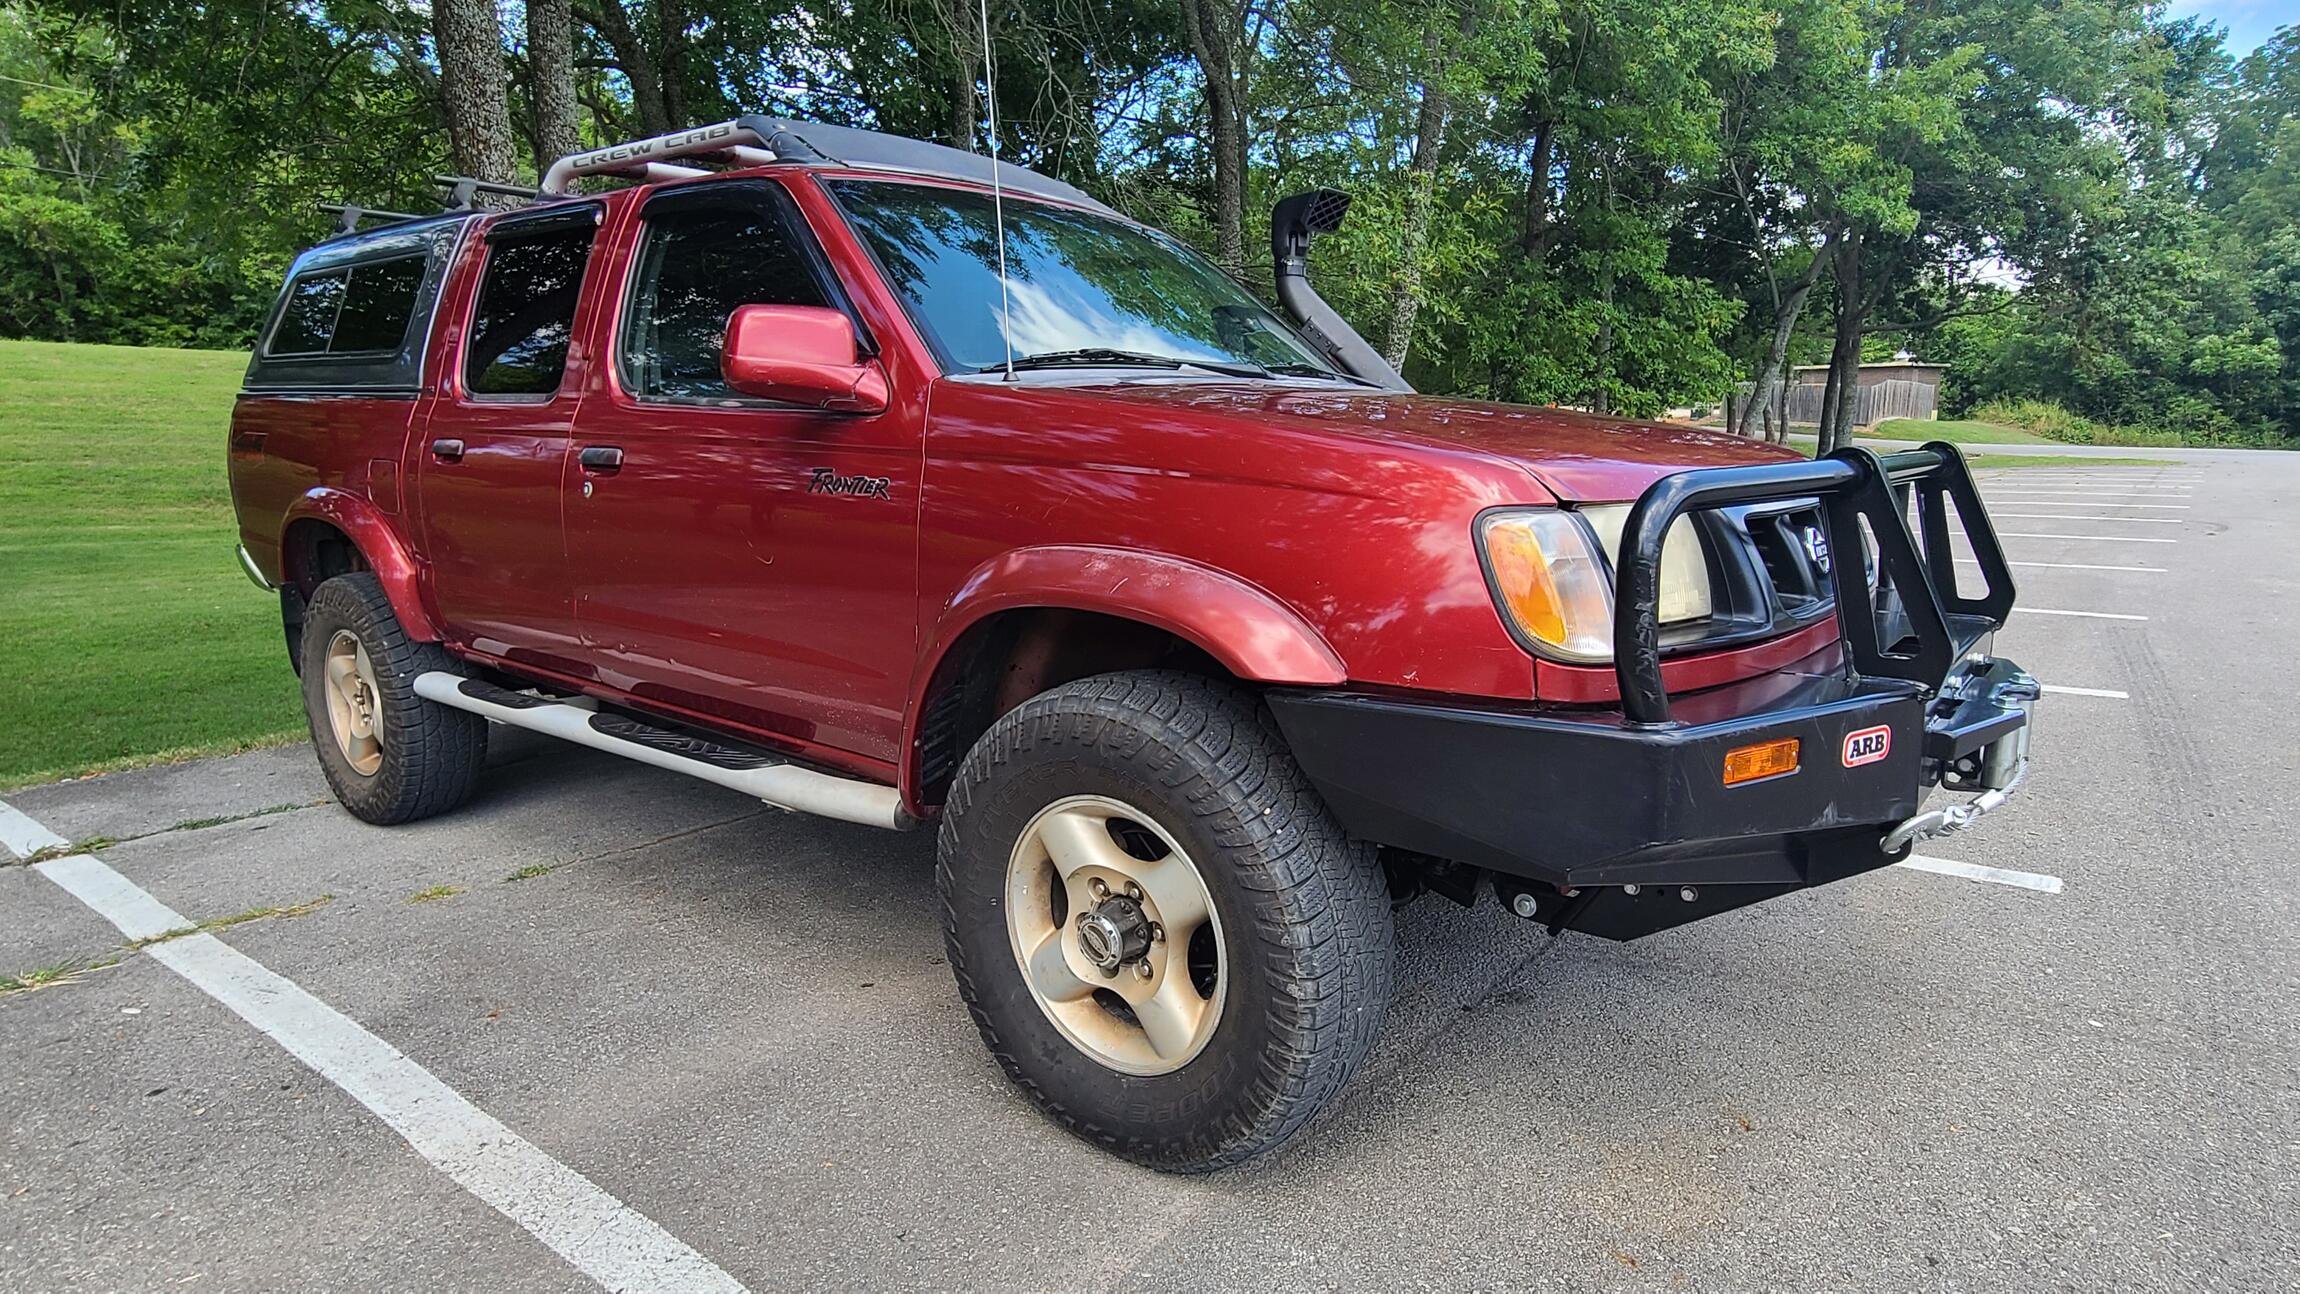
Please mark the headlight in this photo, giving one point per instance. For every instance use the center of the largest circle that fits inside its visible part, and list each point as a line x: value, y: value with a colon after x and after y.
x: 1552, y: 584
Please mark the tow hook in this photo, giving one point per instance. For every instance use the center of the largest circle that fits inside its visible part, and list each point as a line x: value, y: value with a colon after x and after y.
x: 1954, y: 818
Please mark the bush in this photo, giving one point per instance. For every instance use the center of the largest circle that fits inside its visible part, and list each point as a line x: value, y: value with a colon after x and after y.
x: 2189, y: 423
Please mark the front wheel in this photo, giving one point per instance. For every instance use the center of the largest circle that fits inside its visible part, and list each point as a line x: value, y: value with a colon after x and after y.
x: 1161, y: 933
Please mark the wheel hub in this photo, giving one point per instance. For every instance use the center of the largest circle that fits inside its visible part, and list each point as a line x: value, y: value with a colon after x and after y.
x: 1114, y: 932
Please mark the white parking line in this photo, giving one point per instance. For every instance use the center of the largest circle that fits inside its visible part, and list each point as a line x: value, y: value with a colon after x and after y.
x: 2078, y: 516
x: 2026, y: 481
x: 2089, y: 615
x: 602, y: 1237
x: 24, y: 837
x: 2106, y: 539
x: 2100, y: 494
x: 2094, y: 503
x: 2037, y: 881
x: 2076, y: 566
x: 2085, y: 691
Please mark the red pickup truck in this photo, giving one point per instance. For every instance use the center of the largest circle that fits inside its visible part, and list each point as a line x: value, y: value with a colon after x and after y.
x: 876, y: 480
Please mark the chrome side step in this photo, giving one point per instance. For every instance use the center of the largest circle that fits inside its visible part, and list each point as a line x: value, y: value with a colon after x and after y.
x: 779, y: 782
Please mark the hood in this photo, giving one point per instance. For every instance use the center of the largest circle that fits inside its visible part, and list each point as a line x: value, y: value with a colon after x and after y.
x: 1580, y: 457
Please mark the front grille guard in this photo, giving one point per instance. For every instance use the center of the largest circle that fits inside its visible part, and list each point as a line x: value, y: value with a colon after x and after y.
x: 1916, y: 583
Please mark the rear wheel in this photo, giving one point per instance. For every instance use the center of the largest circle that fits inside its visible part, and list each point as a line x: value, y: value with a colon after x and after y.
x: 1162, y: 935
x: 389, y: 755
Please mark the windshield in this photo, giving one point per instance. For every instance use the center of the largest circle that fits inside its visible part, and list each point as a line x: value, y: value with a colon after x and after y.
x: 1076, y: 281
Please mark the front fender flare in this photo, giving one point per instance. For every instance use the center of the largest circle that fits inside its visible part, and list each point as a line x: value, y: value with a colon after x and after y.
x: 1250, y: 632
x: 378, y: 543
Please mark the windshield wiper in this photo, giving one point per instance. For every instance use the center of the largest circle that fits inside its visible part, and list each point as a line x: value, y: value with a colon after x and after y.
x: 1104, y: 357
x: 1313, y: 370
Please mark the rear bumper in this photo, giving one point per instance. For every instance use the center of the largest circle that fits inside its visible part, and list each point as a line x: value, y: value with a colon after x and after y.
x: 1622, y: 829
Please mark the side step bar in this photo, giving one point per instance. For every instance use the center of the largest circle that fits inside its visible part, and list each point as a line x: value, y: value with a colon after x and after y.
x: 779, y: 782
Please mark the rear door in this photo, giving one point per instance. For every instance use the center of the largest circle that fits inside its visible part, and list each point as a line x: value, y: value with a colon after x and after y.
x: 490, y: 460
x: 718, y: 571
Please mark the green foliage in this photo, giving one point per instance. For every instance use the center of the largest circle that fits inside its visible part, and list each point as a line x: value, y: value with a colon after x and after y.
x: 2089, y: 202
x: 2049, y: 421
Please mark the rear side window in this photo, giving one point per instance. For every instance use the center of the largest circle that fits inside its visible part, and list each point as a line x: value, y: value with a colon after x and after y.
x: 376, y: 309
x: 351, y: 310
x: 695, y: 267
x: 526, y: 313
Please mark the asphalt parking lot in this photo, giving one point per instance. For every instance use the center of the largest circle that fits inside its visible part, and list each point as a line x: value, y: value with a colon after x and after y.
x: 735, y: 1025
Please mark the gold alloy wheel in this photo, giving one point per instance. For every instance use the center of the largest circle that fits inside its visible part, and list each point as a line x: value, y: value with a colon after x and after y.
x: 352, y: 701
x: 1116, y: 934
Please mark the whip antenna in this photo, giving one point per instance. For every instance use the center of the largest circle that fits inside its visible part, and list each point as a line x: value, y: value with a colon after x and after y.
x: 997, y: 194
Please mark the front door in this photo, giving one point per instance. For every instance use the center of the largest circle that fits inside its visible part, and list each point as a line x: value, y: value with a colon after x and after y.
x: 737, y: 559
x: 490, y: 460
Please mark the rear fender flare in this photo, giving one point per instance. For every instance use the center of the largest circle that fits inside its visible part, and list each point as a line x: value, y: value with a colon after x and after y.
x: 379, y: 545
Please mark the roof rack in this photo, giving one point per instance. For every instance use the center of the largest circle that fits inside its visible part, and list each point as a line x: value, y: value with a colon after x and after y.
x: 462, y: 188
x: 754, y: 140
x: 349, y: 214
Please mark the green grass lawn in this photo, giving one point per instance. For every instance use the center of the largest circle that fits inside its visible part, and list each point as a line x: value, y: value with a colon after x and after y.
x: 127, y: 632
x: 1954, y: 432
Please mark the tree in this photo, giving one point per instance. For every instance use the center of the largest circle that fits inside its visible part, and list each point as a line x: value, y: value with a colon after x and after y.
x: 472, y: 87
x: 1217, y: 33
x: 551, y: 80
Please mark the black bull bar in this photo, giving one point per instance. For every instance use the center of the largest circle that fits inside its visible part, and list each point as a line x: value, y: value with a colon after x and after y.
x: 1616, y: 821
x: 1916, y: 587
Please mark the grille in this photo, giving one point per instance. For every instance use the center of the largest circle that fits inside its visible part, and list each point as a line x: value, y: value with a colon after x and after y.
x: 1794, y: 549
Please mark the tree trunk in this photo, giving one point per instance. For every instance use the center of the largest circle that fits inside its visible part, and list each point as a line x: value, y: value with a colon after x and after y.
x: 633, y: 59
x: 471, y: 83
x: 551, y: 80
x: 1533, y: 234
x: 1768, y: 382
x: 1217, y: 35
x: 963, y: 104
x: 1421, y: 190
x: 671, y: 23
x: 1840, y: 395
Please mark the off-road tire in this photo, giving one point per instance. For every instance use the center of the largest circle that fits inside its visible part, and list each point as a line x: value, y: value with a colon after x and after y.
x: 431, y: 753
x: 1303, y: 906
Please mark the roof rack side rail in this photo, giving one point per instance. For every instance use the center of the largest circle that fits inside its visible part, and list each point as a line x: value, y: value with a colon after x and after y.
x: 648, y: 159
x: 462, y: 188
x: 349, y: 214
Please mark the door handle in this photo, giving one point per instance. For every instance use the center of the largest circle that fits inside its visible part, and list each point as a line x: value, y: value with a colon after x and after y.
x: 447, y: 451
x: 600, y: 458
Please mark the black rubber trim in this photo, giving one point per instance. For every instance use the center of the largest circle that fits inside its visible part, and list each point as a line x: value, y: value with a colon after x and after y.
x: 717, y: 755
x: 480, y: 690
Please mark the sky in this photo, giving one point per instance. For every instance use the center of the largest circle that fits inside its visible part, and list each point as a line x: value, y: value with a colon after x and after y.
x: 2249, y: 22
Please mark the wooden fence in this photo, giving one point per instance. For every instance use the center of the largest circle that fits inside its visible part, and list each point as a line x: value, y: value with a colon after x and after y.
x: 1892, y: 398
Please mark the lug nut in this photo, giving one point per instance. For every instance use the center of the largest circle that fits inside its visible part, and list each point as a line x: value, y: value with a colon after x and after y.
x: 1524, y: 905
x: 1157, y: 933
x: 1133, y: 891
x: 1095, y: 884
x: 1142, y: 968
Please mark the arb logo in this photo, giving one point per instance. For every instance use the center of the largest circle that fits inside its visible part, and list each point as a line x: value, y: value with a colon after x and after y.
x: 1867, y: 746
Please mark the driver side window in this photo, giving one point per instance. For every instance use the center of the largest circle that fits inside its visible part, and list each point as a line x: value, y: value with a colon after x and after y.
x: 698, y: 262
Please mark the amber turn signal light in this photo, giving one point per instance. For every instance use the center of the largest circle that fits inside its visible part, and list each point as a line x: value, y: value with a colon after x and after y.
x: 1763, y: 760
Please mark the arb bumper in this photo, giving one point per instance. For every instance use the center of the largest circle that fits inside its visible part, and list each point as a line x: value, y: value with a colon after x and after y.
x: 1624, y: 821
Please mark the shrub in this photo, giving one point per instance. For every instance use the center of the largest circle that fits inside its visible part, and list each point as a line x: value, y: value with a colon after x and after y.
x: 2053, y: 421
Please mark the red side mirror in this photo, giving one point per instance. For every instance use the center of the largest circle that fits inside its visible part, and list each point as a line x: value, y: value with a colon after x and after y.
x: 804, y: 355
